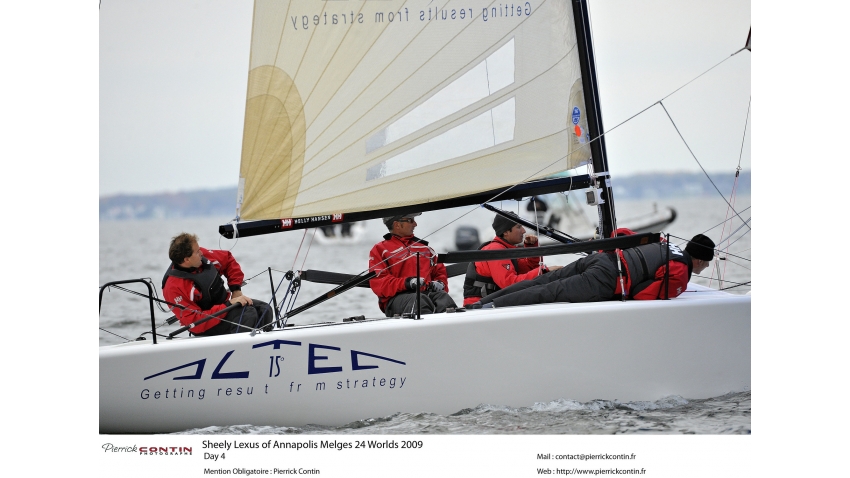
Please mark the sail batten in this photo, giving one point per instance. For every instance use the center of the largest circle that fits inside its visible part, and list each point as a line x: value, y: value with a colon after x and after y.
x: 361, y: 107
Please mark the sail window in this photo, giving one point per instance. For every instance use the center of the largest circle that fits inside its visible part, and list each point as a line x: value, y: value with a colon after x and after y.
x: 493, y: 127
x: 487, y: 77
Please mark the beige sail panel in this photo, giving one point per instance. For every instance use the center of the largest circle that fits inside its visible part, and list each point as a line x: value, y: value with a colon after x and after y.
x: 406, y: 102
x: 272, y: 145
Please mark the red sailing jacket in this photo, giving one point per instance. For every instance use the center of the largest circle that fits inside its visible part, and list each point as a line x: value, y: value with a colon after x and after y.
x: 679, y: 276
x: 183, y: 291
x: 502, y: 271
x: 678, y: 282
x: 394, y: 260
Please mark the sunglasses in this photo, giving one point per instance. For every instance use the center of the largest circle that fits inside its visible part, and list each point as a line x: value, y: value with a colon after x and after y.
x: 405, y: 219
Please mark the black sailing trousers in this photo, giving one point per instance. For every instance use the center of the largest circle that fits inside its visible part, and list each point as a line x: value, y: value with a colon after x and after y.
x: 433, y: 302
x: 590, y: 279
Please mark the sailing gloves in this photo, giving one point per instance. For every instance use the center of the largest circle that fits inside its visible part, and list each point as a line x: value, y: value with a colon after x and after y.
x: 413, y: 282
x: 436, y: 286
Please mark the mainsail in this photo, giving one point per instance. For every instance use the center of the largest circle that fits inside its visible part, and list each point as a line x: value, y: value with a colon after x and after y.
x: 359, y: 106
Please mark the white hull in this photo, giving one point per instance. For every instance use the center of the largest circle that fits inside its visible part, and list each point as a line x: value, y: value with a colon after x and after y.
x: 697, y: 346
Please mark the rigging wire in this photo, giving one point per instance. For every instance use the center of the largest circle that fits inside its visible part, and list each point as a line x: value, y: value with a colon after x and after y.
x: 697, y: 160
x: 254, y: 277
x: 743, y: 140
x: 310, y: 245
x: 737, y: 173
x: 724, y: 221
x: 113, y: 333
x: 728, y: 254
x: 737, y: 264
x: 732, y: 197
x: 736, y: 285
x: 738, y: 239
x: 298, y: 252
x: 734, y: 232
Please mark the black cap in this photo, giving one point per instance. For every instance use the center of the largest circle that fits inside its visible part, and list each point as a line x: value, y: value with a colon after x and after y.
x: 388, y: 221
x: 701, y: 247
x: 502, y: 224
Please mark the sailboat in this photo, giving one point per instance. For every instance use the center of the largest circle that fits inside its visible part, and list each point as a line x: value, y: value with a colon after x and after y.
x: 344, y: 234
x: 356, y: 112
x: 561, y: 213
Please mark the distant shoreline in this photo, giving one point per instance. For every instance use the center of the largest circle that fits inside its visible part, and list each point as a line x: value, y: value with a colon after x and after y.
x: 222, y: 201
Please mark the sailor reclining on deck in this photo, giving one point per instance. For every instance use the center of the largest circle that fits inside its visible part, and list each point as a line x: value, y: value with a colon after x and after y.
x: 595, y: 278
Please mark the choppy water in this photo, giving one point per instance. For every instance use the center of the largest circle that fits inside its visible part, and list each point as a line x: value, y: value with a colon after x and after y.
x: 729, y: 414
x: 134, y: 249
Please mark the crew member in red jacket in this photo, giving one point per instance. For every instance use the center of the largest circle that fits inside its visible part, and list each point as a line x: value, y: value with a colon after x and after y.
x: 394, y: 261
x: 194, y: 281
x: 484, y: 278
x: 596, y: 278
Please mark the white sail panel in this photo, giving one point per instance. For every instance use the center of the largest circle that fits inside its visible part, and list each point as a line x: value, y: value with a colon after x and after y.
x: 488, y: 129
x: 355, y: 106
x: 489, y: 76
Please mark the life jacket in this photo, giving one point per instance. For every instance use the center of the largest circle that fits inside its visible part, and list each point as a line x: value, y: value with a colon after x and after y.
x: 477, y: 285
x: 644, y: 261
x: 207, y: 281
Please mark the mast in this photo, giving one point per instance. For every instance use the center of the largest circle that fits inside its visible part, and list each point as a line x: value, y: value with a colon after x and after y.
x: 607, y: 218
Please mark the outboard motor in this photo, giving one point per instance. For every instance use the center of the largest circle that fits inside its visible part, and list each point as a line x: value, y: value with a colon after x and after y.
x: 466, y: 238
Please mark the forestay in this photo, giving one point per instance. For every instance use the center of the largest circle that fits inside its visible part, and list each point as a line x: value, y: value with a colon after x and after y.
x: 356, y: 106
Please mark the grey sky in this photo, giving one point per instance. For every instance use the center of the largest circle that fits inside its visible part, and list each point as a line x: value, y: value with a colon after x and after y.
x: 173, y: 79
